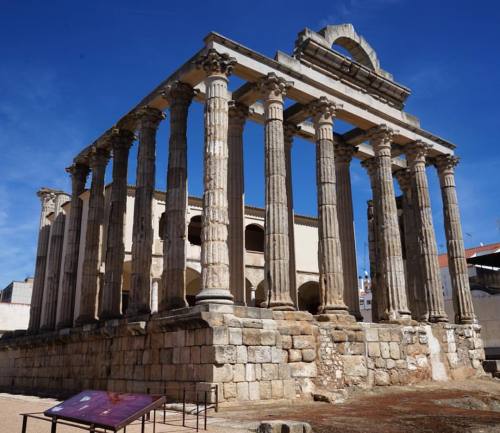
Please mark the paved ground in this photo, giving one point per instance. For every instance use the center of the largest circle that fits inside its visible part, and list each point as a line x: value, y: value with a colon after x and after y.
x: 459, y: 407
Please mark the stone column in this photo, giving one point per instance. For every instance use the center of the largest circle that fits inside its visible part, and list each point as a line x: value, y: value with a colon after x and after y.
x: 214, y: 233
x: 276, y: 246
x: 148, y: 120
x: 343, y: 157
x: 457, y: 265
x: 90, y: 268
x: 372, y: 247
x: 428, y: 255
x: 392, y: 278
x: 236, y: 238
x: 53, y: 272
x: 414, y: 285
x: 111, y: 299
x: 290, y: 131
x: 331, y: 280
x: 79, y: 173
x: 47, y: 198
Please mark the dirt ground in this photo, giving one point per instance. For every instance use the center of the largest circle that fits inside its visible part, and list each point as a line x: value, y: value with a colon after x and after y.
x: 457, y: 407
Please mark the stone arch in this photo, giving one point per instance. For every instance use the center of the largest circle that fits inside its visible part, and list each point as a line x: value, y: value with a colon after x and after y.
x: 254, y: 238
x: 345, y: 36
x: 309, y: 297
x: 193, y: 285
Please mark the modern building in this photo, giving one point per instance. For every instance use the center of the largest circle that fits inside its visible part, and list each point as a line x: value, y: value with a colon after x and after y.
x: 15, y: 305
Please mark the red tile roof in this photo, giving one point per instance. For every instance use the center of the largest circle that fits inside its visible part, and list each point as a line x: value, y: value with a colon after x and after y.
x: 469, y: 252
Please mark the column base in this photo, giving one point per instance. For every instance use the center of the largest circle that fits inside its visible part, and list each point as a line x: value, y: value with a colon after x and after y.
x: 279, y: 306
x: 173, y: 304
x: 466, y: 320
x: 341, y: 318
x: 438, y: 318
x: 109, y: 315
x: 214, y: 296
x: 85, y: 320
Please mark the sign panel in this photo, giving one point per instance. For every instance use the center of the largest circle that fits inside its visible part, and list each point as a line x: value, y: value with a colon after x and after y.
x: 105, y: 409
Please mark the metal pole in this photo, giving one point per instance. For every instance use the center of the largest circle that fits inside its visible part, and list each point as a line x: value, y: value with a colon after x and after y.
x: 142, y: 424
x: 216, y: 398
x: 154, y: 421
x: 205, y: 417
x: 197, y: 413
x: 184, y: 407
x: 53, y: 428
x: 25, y: 423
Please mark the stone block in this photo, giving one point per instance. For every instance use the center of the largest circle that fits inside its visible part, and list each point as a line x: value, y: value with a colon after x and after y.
x: 225, y: 354
x: 239, y: 373
x: 289, y: 388
x: 220, y: 335
x: 241, y: 354
x: 242, y: 391
x: 294, y: 355
x: 355, y: 365
x: 251, y: 337
x: 384, y: 350
x: 303, y: 369
x: 308, y: 355
x: 259, y: 354
x: 254, y: 391
x: 357, y: 348
x: 394, y: 350
x: 339, y: 336
x: 277, y: 389
x: 252, y: 323
x: 229, y: 390
x: 380, y: 363
x: 304, y: 342
x: 270, y: 371
x: 396, y: 335
x: 207, y: 354
x: 250, y: 372
x: 235, y: 336
x: 373, y: 349
x: 382, y: 378
x: 384, y: 334
x: 265, y: 390
x: 277, y: 355
x: 195, y: 355
x: 372, y: 334
x: 268, y: 337
x: 286, y: 341
x: 222, y: 373
x: 390, y: 363
x: 258, y: 371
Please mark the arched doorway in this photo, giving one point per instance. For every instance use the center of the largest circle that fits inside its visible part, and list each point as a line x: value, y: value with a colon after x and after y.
x: 254, y: 238
x: 194, y: 230
x: 309, y: 299
x: 193, y: 285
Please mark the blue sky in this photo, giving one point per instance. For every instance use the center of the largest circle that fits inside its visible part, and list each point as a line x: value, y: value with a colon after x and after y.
x: 70, y: 69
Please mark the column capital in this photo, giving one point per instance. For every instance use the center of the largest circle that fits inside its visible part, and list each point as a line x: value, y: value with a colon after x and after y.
x: 344, y: 152
x: 446, y: 164
x: 417, y: 151
x: 78, y: 170
x: 238, y: 112
x: 214, y: 63
x: 370, y: 165
x: 148, y: 117
x: 121, y: 138
x: 273, y: 87
x: 381, y: 136
x: 323, y: 110
x: 98, y: 157
x: 403, y: 177
x: 178, y: 93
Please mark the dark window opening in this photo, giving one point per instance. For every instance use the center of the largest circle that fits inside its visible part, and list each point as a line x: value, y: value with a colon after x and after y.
x: 161, y: 226
x: 194, y: 230
x: 254, y: 238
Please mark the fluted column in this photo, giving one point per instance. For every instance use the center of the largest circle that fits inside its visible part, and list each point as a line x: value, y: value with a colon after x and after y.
x: 290, y: 131
x: 414, y: 285
x: 148, y: 120
x: 331, y: 279
x: 47, y: 200
x: 236, y: 241
x: 111, y: 299
x: 53, y: 272
x: 276, y: 244
x: 65, y: 311
x: 343, y: 157
x: 457, y: 265
x: 173, y: 288
x: 378, y: 295
x: 214, y: 233
x: 428, y: 255
x: 392, y: 278
x: 95, y: 218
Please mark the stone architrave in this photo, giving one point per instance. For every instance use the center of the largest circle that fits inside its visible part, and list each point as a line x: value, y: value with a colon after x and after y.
x: 276, y: 245
x: 214, y: 234
x: 148, y: 119
x: 65, y: 311
x: 428, y: 254
x: 343, y: 157
x: 331, y: 279
x: 290, y: 131
x: 90, y: 269
x: 378, y: 295
x: 47, y: 201
x: 236, y: 192
x: 392, y: 276
x: 414, y: 286
x: 53, y: 272
x: 111, y: 299
x: 457, y: 265
x: 173, y: 288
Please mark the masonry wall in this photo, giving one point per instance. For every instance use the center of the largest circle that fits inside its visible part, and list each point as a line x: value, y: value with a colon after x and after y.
x: 250, y: 353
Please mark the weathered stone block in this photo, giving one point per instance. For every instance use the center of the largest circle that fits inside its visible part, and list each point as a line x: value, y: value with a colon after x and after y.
x: 259, y: 354
x: 220, y: 335
x: 251, y: 337
x: 384, y: 334
x: 339, y: 336
x: 229, y: 390
x: 372, y: 334
x: 384, y: 350
x: 294, y: 355
x: 304, y: 342
x: 235, y: 336
x: 270, y: 371
x: 265, y: 390
x: 268, y: 337
x: 373, y: 349
x: 355, y: 365
x: 394, y: 350
x: 241, y: 354
x: 239, y: 373
x: 308, y: 355
x: 222, y: 373
x: 277, y: 355
x: 242, y: 391
x: 277, y: 389
x: 286, y: 341
x: 382, y: 378
x: 303, y: 369
x: 254, y: 391
x: 225, y: 354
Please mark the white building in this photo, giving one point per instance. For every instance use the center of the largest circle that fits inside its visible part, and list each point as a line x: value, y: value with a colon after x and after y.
x: 15, y: 305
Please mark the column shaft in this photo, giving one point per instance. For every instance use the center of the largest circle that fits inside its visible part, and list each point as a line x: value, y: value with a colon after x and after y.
x: 148, y: 120
x: 173, y: 287
x: 331, y: 279
x: 111, y: 299
x: 53, y: 272
x: 214, y: 247
x: 236, y: 238
x: 431, y: 277
x: 462, y: 299
x: 372, y: 247
x: 79, y: 173
x: 343, y: 157
x: 392, y: 278
x: 47, y: 200
x: 276, y: 244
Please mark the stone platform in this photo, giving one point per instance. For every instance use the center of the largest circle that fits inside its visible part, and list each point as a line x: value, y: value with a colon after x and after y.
x: 250, y: 353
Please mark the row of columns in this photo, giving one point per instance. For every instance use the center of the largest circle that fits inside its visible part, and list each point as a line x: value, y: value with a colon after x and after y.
x: 222, y: 243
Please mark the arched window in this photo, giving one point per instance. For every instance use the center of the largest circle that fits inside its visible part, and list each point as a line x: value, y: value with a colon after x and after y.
x: 309, y: 298
x: 194, y: 230
x: 161, y: 226
x: 254, y: 238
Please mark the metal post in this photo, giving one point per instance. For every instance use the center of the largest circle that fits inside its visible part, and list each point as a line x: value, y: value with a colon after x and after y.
x: 142, y: 424
x: 205, y: 417
x: 184, y: 407
x: 25, y: 423
x: 53, y: 428
x: 197, y: 412
x: 154, y: 421
x: 216, y: 398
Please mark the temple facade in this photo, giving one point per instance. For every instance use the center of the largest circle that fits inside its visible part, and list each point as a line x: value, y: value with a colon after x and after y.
x: 96, y: 244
